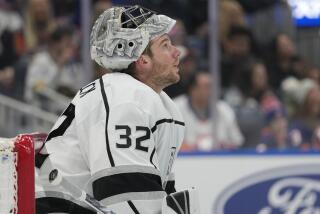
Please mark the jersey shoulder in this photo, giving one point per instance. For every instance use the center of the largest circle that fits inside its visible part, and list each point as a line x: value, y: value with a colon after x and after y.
x: 114, y: 90
x: 124, y: 89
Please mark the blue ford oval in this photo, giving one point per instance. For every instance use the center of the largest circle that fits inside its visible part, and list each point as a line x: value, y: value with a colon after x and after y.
x: 285, y: 190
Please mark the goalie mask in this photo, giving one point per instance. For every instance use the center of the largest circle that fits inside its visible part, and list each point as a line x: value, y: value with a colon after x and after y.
x: 121, y: 34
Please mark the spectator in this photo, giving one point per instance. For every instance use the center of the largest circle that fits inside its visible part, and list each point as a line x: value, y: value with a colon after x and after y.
x: 275, y: 132
x: 231, y: 14
x: 238, y: 50
x: 39, y: 24
x: 302, y: 99
x: 195, y: 107
x: 254, y: 83
x: 280, y: 60
x: 251, y: 98
x: 48, y: 69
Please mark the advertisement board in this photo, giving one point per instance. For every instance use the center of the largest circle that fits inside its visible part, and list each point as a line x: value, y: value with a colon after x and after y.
x: 252, y: 183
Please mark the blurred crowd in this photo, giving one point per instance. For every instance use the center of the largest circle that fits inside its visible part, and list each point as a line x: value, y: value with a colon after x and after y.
x: 269, y: 97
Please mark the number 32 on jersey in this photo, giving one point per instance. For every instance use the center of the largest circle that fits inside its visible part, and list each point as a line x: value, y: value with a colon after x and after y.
x: 127, y: 140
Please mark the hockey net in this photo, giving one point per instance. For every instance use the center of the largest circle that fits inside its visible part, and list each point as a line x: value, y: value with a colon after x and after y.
x: 17, y: 194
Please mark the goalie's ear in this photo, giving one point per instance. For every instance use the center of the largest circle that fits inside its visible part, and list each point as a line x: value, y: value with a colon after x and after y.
x: 143, y: 60
x: 182, y: 202
x: 143, y: 65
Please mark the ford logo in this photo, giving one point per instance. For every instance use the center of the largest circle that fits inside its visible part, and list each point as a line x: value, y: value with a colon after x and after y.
x: 285, y: 190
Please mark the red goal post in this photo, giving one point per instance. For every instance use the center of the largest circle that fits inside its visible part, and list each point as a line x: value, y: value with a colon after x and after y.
x: 17, y: 195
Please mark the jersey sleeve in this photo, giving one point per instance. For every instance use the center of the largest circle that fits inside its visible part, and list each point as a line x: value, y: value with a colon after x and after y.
x: 122, y: 159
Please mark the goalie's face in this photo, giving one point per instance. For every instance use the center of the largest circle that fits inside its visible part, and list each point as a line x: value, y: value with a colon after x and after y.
x: 163, y: 66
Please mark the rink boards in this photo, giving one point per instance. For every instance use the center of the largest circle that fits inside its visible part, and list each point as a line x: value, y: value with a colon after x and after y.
x: 252, y: 183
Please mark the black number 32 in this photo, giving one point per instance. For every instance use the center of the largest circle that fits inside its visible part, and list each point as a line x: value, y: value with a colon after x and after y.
x: 126, y: 135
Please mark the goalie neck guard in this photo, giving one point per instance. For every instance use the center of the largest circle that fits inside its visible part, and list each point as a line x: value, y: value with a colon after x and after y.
x: 121, y: 34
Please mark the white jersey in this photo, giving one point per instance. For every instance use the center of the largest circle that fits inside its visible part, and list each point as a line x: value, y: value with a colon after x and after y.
x: 117, y: 140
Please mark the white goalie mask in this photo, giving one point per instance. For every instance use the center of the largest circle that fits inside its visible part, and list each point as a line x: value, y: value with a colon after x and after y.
x: 121, y: 34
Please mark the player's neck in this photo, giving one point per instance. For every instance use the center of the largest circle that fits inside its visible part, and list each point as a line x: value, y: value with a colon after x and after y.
x: 150, y: 82
x: 154, y: 86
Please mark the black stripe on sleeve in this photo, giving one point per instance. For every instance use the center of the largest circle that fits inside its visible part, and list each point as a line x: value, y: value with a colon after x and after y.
x: 125, y: 183
x: 154, y: 128
x: 134, y: 209
x: 59, y: 205
x: 106, y: 105
x: 39, y: 159
x: 70, y: 114
x: 179, y: 123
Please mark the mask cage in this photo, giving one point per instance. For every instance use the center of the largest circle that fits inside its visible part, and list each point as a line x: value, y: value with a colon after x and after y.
x: 134, y: 16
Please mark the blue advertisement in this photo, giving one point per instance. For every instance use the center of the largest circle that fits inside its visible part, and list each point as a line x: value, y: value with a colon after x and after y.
x: 289, y: 190
x: 306, y: 13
